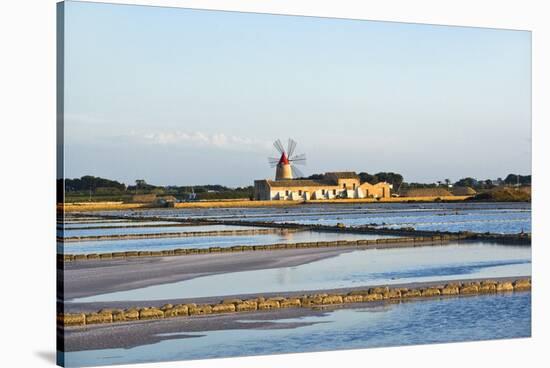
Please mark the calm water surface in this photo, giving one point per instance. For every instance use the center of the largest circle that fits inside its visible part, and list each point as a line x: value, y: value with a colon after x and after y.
x: 353, y: 269
x: 155, y: 230
x: 105, y: 246
x: 483, y: 317
x: 477, y: 217
x: 113, y: 223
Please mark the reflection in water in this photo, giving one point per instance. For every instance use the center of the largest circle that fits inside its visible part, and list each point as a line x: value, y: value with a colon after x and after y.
x: 283, y: 276
x: 112, y: 223
x: 106, y: 246
x: 153, y: 230
x: 421, y: 322
x: 287, y: 236
x: 353, y: 269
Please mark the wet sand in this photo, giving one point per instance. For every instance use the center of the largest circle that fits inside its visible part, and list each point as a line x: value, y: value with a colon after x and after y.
x: 88, y: 278
x: 128, y: 335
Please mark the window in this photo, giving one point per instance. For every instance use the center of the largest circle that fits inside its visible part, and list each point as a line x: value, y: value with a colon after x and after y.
x: 286, y: 192
x: 323, y: 191
x: 344, y: 185
x: 299, y: 192
x: 334, y: 191
x: 353, y: 186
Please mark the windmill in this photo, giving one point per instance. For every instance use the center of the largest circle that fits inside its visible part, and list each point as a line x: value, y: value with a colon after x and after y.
x: 286, y: 164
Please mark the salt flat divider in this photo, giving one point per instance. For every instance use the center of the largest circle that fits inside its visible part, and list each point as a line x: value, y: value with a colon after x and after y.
x: 145, y: 224
x: 317, y: 300
x: 184, y: 234
x: 401, y: 242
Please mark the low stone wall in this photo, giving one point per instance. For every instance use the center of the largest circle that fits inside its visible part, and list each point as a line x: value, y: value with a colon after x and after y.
x: 304, y: 301
x: 370, y: 243
x: 184, y: 234
x: 138, y: 225
x: 522, y: 238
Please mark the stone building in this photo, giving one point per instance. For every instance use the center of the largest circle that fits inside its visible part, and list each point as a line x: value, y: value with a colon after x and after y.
x: 334, y: 185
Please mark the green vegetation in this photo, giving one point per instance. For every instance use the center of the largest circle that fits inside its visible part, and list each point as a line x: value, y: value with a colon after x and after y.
x: 96, y: 189
x: 513, y: 179
x: 89, y: 182
x: 389, y: 177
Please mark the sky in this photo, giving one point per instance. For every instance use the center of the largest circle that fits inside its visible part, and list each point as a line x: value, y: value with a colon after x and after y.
x: 190, y: 97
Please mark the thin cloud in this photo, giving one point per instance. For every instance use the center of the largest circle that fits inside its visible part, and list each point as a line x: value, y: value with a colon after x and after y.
x: 216, y: 140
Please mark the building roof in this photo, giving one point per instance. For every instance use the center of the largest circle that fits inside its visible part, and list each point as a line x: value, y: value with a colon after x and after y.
x: 298, y: 183
x: 343, y: 174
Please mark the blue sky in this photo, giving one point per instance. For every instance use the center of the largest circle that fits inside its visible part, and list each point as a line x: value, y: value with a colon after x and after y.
x: 182, y: 97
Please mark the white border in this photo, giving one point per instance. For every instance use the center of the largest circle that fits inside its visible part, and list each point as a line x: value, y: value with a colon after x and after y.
x: 27, y: 82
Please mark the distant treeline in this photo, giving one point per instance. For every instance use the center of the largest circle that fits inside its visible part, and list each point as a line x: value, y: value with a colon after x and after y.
x: 397, y: 181
x: 91, y: 183
x: 100, y: 189
x: 511, y: 179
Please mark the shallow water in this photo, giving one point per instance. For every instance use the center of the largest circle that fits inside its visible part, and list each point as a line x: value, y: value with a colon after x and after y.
x: 155, y: 230
x: 477, y: 217
x: 505, y: 222
x: 224, y: 241
x: 311, y: 209
x: 353, y: 269
x: 112, y: 223
x: 421, y: 322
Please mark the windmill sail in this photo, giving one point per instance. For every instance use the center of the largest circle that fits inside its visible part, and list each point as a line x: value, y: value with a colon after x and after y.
x: 291, y: 146
x: 279, y: 146
x: 299, y: 159
x: 296, y: 173
x: 286, y: 163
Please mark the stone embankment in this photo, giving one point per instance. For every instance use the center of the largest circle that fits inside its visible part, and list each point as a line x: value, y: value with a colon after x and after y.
x: 304, y: 301
x: 401, y: 242
x: 521, y: 238
x: 179, y: 234
x: 134, y: 226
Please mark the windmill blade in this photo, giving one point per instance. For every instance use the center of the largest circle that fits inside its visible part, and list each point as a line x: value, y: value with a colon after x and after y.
x: 299, y: 159
x: 279, y: 146
x: 291, y: 147
x: 296, y: 173
x: 273, y: 161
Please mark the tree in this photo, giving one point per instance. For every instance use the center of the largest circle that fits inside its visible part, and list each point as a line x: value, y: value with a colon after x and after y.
x: 467, y: 182
x: 389, y: 177
x: 513, y: 179
x: 367, y: 178
x: 91, y: 183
